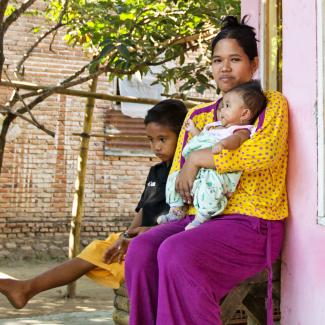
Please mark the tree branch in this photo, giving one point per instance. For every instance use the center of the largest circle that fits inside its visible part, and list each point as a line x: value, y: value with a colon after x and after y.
x: 63, y: 11
x: 3, y: 7
x: 17, y: 13
x: 33, y: 119
x: 38, y: 125
x: 40, y: 39
x: 31, y: 49
x: 205, y: 34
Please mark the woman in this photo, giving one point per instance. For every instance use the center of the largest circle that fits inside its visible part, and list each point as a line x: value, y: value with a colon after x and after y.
x: 179, y: 277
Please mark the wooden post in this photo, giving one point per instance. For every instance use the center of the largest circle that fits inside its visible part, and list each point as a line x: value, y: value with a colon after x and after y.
x: 78, y: 199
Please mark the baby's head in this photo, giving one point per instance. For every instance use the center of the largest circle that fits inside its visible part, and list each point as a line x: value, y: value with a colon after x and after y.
x: 243, y: 104
x: 163, y: 123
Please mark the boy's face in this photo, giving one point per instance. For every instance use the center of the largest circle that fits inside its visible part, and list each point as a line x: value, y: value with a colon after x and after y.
x: 163, y: 141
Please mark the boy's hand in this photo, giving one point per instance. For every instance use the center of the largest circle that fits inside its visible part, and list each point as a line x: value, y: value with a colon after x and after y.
x: 137, y: 231
x: 117, y: 251
x: 216, y: 149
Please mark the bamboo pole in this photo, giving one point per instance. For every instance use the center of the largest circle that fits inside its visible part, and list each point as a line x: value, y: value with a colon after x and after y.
x: 194, y: 99
x: 87, y: 94
x: 78, y: 200
x: 110, y: 136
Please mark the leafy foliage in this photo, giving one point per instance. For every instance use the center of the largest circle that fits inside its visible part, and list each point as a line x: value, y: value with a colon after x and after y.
x: 9, y: 10
x: 127, y: 36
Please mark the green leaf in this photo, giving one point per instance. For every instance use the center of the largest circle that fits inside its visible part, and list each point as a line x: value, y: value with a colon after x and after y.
x: 202, y: 78
x: 9, y: 10
x: 126, y: 16
x: 106, y: 50
x: 200, y: 89
x: 123, y: 50
x: 36, y: 29
x: 181, y: 59
x: 93, y: 66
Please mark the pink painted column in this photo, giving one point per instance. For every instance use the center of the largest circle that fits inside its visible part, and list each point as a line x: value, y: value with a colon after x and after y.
x: 303, y: 266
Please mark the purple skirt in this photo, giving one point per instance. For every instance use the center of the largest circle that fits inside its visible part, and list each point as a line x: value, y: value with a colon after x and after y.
x: 177, y: 277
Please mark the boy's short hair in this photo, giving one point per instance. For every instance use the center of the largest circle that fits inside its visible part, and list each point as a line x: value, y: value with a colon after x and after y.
x: 253, y: 97
x: 169, y: 112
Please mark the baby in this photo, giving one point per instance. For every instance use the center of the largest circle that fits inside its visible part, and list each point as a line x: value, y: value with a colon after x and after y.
x: 211, y: 190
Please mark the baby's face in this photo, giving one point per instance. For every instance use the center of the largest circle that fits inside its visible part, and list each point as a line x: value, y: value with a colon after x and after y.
x: 232, y: 109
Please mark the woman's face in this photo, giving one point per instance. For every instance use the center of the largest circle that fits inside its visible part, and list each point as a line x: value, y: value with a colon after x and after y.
x: 231, y: 65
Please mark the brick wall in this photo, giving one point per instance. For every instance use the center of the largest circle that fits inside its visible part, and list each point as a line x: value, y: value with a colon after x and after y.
x: 37, y: 180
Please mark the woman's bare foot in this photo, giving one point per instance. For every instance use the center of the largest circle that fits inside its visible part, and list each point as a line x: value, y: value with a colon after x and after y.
x: 16, y: 292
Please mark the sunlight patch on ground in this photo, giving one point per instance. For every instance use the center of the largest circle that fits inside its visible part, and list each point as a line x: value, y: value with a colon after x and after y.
x: 6, y: 276
x: 75, y: 318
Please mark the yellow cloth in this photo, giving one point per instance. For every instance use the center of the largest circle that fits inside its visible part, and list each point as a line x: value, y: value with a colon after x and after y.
x: 261, y: 191
x: 108, y: 275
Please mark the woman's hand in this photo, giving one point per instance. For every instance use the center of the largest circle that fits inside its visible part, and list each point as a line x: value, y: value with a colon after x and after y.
x: 184, y: 182
x: 117, y: 251
x: 185, y: 179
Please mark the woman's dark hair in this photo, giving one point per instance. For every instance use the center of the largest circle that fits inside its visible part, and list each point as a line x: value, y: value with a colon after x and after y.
x: 244, y: 34
x: 253, y: 97
x: 169, y: 112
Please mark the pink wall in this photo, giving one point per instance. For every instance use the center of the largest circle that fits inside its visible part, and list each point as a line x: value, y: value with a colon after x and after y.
x: 251, y: 8
x: 303, y: 260
x: 303, y: 275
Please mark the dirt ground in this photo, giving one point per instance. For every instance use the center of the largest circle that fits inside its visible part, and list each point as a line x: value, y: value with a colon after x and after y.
x: 90, y: 296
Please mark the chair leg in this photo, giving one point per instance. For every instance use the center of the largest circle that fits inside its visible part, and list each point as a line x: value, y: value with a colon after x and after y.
x: 233, y: 299
x: 255, y: 309
x: 251, y: 321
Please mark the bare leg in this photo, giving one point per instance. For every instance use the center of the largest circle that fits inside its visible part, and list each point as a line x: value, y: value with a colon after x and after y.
x: 19, y: 292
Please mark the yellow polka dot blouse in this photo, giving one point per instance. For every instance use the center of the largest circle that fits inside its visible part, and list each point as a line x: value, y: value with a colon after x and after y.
x: 261, y: 191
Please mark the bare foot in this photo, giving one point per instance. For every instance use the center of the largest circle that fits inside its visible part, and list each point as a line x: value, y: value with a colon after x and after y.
x: 16, y: 292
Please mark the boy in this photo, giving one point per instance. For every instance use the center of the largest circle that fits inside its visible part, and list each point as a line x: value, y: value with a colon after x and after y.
x: 102, y: 260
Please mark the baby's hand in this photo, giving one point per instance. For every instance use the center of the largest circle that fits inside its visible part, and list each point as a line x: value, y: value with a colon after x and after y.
x: 216, y: 149
x: 190, y: 126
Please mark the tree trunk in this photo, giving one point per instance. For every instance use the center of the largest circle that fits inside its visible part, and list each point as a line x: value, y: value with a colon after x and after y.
x: 2, y: 58
x: 4, y: 130
x: 3, y: 7
x: 78, y: 200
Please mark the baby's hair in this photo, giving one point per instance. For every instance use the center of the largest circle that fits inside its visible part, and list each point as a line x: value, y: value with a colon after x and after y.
x: 244, y: 34
x: 253, y: 97
x: 169, y: 112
